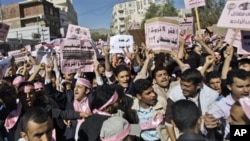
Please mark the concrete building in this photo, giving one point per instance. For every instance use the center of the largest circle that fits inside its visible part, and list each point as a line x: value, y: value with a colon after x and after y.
x: 68, y: 14
x: 32, y: 19
x: 128, y: 14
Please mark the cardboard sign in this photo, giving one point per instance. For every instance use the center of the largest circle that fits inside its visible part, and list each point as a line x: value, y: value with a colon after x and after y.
x: 219, y: 31
x: 4, y: 29
x: 186, y: 25
x: 189, y: 4
x: 119, y: 42
x: 78, y: 32
x: 162, y: 34
x: 242, y: 41
x: 76, y: 56
x: 18, y: 55
x: 245, y: 37
x: 235, y: 15
x: 138, y: 36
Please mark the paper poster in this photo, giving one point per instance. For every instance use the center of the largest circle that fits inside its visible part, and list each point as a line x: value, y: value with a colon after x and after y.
x: 45, y: 34
x: 4, y: 29
x: 162, y: 34
x: 242, y: 41
x: 78, y: 32
x: 18, y: 55
x: 235, y: 14
x: 189, y: 4
x: 186, y: 24
x: 245, y: 37
x: 119, y: 42
x: 76, y: 56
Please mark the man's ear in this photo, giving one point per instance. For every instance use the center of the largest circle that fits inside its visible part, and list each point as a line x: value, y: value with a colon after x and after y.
x: 154, y: 81
x: 23, y: 135
x: 173, y: 123
x: 138, y: 96
x: 199, y: 86
x: 229, y: 87
x: 87, y: 90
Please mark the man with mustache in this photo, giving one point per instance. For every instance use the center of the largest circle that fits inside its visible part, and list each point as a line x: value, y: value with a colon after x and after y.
x: 191, y: 88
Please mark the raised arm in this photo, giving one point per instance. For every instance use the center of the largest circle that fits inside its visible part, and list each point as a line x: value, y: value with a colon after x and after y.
x: 37, y: 70
x: 228, y: 55
x: 204, y: 45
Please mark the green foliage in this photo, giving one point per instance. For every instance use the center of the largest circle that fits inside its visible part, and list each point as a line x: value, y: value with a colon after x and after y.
x: 156, y: 10
x: 96, y: 36
x: 210, y: 13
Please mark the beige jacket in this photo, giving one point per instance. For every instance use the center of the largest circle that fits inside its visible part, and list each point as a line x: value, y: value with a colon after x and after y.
x: 158, y: 109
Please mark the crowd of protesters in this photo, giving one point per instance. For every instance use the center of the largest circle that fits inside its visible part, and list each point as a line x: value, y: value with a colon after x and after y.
x: 194, y: 93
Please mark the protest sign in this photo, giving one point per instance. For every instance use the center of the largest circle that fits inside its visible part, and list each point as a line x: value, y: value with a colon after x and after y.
x: 45, y: 34
x: 245, y: 37
x: 119, y: 42
x: 242, y: 41
x: 219, y: 31
x: 18, y: 55
x: 189, y: 4
x: 4, y: 29
x: 78, y: 32
x: 235, y: 15
x: 162, y: 34
x: 186, y: 24
x: 138, y: 36
x: 76, y: 56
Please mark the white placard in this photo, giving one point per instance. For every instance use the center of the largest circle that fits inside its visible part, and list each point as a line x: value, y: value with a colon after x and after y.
x: 119, y: 42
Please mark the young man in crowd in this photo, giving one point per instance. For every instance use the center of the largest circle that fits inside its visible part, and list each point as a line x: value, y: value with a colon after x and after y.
x: 36, y: 125
x: 187, y: 118
x: 191, y: 88
x: 150, y: 111
x: 213, y: 80
x: 238, y: 82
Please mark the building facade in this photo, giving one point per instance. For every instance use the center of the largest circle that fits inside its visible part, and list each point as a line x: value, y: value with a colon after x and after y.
x: 128, y: 14
x: 27, y: 20
x: 68, y: 14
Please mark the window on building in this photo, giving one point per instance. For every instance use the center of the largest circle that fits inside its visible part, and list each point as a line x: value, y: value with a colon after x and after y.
x: 141, y: 5
x: 130, y: 11
x: 145, y: 2
x: 129, y: 4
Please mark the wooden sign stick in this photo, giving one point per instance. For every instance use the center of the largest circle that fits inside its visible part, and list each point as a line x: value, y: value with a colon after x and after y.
x: 198, y: 21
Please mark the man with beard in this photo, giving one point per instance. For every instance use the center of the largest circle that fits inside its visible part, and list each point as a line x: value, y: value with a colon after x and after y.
x: 190, y: 88
x: 28, y: 99
x: 150, y: 109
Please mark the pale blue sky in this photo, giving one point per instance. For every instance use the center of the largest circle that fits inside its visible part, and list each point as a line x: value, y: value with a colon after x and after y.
x: 95, y: 13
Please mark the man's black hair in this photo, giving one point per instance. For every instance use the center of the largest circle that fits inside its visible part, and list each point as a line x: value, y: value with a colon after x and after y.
x: 141, y: 85
x: 36, y: 114
x: 185, y: 115
x: 192, y: 75
x: 237, y: 73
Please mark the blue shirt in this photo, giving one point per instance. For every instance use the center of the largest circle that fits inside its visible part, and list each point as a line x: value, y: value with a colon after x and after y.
x: 145, y: 115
